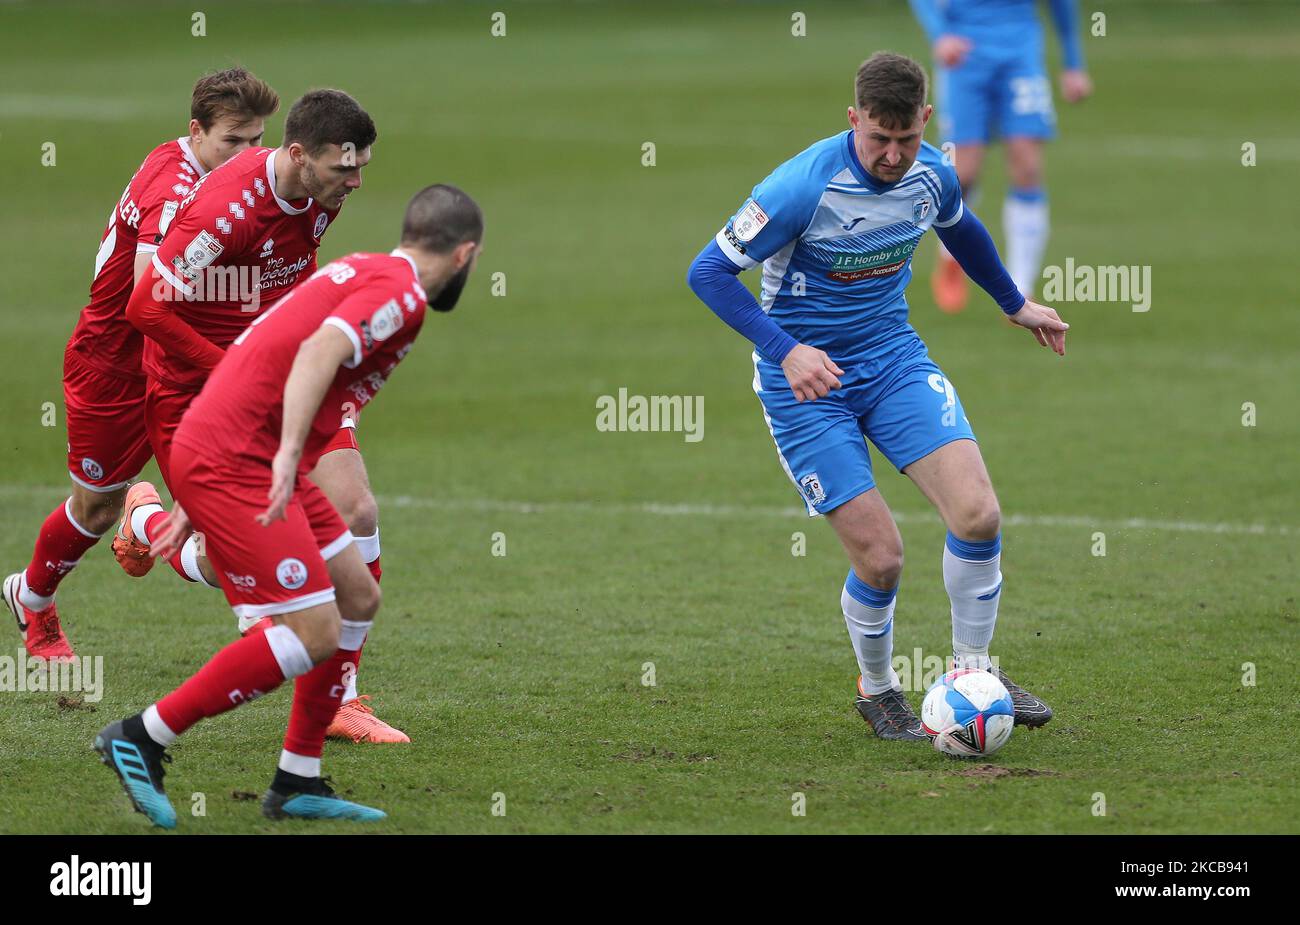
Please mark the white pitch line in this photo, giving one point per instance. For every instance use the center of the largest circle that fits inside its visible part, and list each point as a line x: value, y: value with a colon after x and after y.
x: 739, y: 511
x: 660, y: 509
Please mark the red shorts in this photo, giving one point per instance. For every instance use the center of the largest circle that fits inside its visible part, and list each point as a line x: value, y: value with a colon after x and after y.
x: 163, y: 409
x: 107, y: 442
x: 279, y: 568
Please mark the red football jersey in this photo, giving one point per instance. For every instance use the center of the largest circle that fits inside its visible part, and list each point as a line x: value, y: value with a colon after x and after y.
x: 234, y: 248
x: 375, y: 299
x: 103, y: 337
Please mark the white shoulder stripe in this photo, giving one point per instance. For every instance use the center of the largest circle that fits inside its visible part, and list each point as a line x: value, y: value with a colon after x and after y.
x: 961, y: 209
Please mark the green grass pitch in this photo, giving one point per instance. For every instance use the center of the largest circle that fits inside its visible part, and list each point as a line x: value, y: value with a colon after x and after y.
x: 522, y: 674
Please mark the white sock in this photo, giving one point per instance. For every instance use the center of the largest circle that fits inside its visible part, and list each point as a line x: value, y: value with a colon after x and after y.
x: 157, y: 729
x: 351, y: 692
x: 29, y: 598
x: 973, y: 576
x: 869, y: 616
x: 352, y: 635
x: 138, y: 518
x: 190, y: 561
x: 299, y: 764
x: 1025, y: 221
x: 368, y: 546
x: 290, y: 654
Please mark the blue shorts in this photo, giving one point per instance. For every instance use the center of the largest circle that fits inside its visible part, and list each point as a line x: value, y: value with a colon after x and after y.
x: 996, y: 92
x: 900, y: 401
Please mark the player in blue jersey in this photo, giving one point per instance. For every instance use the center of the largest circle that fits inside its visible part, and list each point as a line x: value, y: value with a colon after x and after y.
x: 835, y: 360
x: 991, y: 82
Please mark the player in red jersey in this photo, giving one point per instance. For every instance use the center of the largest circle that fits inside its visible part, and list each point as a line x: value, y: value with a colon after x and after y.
x: 103, y: 383
x: 244, y: 238
x: 255, y: 432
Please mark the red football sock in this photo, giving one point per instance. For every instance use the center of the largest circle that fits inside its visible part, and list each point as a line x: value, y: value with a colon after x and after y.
x: 245, y: 669
x: 375, y: 569
x: 59, y: 546
x: 153, y: 527
x: 316, y: 698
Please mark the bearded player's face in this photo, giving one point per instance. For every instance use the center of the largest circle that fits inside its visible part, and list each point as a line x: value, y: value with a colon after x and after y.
x: 332, y: 175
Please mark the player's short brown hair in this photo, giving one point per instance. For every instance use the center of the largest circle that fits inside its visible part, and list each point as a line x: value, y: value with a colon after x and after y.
x: 232, y: 92
x: 440, y: 217
x: 890, y: 88
x: 328, y: 117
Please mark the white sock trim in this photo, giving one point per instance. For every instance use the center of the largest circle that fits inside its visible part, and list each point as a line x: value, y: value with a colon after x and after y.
x: 351, y: 692
x: 159, y: 731
x: 138, y: 519
x: 368, y: 546
x: 29, y: 598
x: 352, y: 636
x: 290, y: 653
x: 190, y: 562
x: 67, y: 511
x: 299, y: 764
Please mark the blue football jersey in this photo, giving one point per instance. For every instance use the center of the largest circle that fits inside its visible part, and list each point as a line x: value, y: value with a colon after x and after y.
x: 1008, y: 17
x: 836, y: 244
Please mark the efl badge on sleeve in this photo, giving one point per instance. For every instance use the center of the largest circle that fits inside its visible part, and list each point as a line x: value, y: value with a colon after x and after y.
x: 749, y: 221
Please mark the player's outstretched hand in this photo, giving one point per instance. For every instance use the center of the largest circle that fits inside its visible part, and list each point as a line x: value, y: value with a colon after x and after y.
x: 175, y: 532
x: 284, y: 473
x: 1045, y: 323
x: 951, y: 50
x: 810, y: 372
x: 1075, y: 86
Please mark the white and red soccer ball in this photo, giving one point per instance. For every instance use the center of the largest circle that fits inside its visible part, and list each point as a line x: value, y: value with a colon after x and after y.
x: 968, y: 712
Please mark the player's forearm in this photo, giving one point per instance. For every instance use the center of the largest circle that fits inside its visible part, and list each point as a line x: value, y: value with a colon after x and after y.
x: 1065, y: 16
x: 931, y: 18
x: 713, y: 278
x: 155, y: 319
x: 969, y: 242
x: 309, y: 379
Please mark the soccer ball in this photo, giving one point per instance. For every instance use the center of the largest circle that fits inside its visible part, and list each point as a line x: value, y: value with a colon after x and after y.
x: 967, y: 712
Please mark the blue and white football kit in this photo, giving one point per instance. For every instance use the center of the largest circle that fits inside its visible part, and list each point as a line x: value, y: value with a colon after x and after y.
x: 836, y: 248
x: 1001, y: 87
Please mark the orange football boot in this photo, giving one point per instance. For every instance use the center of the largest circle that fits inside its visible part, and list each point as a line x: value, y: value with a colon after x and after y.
x: 948, y: 284
x: 131, y: 554
x: 357, y: 722
x: 42, y: 634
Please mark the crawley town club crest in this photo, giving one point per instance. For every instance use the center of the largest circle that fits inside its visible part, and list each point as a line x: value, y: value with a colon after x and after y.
x: 291, y: 573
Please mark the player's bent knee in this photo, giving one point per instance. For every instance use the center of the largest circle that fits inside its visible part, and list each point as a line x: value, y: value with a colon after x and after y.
x: 97, y: 511
x: 978, y: 522
x: 361, y: 604
x: 318, y: 630
x: 363, y: 515
x: 884, y: 568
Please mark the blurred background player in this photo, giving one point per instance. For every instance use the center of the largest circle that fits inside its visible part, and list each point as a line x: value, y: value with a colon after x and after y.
x: 835, y: 361
x: 243, y: 239
x: 991, y: 82
x: 255, y: 433
x: 103, y: 383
